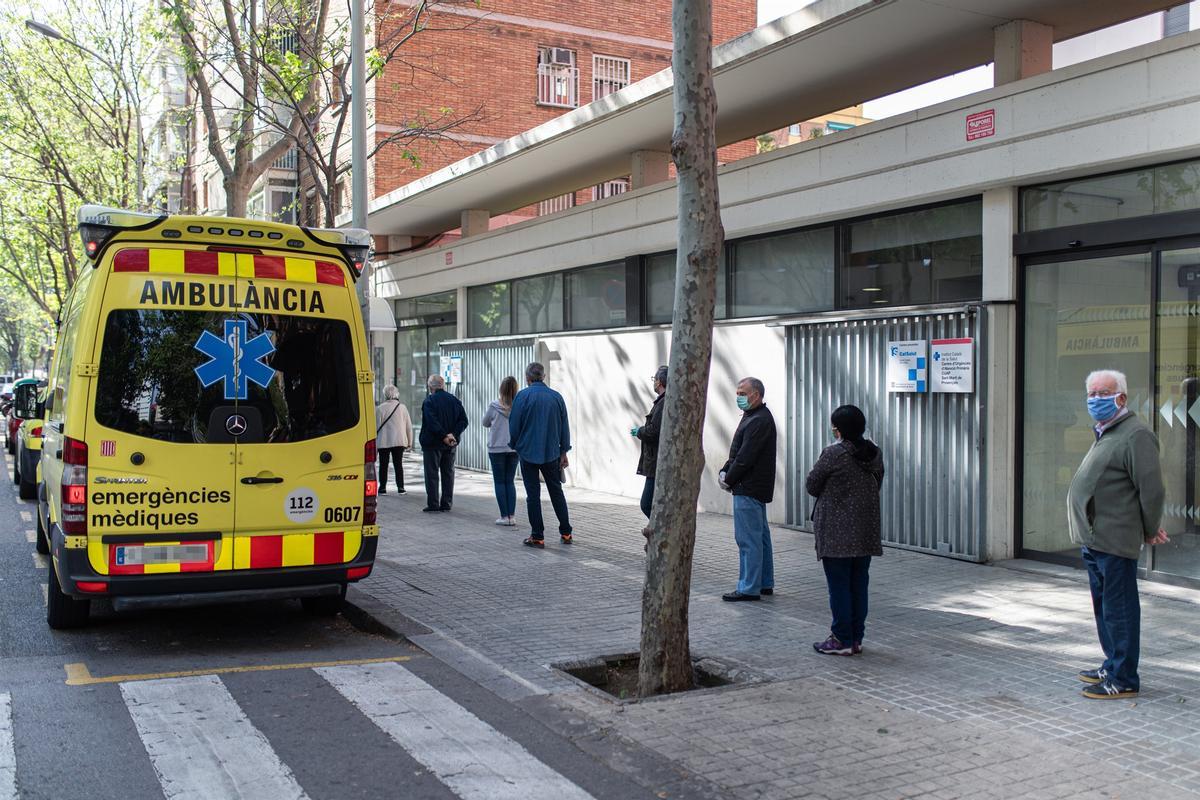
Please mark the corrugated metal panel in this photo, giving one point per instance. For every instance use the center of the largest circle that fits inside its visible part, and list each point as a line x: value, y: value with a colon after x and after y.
x: 932, y: 497
x: 485, y: 364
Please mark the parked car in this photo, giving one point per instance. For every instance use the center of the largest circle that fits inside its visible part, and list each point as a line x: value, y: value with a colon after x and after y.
x: 11, y: 421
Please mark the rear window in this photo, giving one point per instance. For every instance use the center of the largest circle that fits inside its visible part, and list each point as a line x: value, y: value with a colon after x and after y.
x: 179, y: 376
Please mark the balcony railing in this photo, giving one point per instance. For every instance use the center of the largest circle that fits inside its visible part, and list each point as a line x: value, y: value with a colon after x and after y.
x: 558, y: 85
x: 288, y: 160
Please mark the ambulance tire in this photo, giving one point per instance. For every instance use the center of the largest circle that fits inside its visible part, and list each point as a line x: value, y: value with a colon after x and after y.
x: 26, y: 490
x: 64, y: 612
x: 325, y: 606
x: 16, y: 470
x: 41, y: 544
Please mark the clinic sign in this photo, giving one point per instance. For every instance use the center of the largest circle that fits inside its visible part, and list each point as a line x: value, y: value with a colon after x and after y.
x: 952, y: 365
x: 906, y: 366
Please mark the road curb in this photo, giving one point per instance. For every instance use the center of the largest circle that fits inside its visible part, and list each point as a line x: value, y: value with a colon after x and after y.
x: 369, y: 615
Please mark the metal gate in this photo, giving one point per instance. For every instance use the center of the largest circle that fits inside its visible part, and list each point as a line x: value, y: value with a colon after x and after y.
x: 484, y: 364
x: 933, y: 494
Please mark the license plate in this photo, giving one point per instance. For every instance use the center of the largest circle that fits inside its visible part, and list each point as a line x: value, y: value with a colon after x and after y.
x: 162, y: 554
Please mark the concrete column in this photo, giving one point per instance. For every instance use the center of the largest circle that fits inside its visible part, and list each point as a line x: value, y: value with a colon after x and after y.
x: 1022, y: 49
x: 999, y: 225
x: 649, y: 167
x: 461, y: 308
x: 396, y: 243
x: 475, y: 222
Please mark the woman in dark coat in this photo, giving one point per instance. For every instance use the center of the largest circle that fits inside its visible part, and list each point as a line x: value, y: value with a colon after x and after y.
x: 846, y: 480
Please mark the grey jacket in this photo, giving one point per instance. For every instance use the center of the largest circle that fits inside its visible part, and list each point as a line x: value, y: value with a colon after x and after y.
x: 1115, y: 502
x: 846, y: 516
x: 495, y: 419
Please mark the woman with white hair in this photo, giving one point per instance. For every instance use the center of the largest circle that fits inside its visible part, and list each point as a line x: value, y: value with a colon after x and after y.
x: 394, y: 435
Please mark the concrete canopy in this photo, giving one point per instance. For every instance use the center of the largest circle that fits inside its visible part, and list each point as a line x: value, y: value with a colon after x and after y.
x: 827, y: 56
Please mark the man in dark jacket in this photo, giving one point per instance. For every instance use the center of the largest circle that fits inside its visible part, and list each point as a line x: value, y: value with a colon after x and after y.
x: 750, y: 475
x: 443, y: 419
x: 648, y: 435
x: 540, y: 432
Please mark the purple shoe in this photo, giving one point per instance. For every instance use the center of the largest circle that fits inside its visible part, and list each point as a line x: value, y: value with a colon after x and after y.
x: 833, y: 647
x: 856, y: 648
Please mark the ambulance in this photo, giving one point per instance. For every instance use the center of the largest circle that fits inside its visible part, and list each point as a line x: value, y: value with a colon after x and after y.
x: 209, y: 431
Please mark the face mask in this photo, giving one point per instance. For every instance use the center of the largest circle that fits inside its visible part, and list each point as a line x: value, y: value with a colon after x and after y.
x: 743, y: 402
x: 1102, y: 408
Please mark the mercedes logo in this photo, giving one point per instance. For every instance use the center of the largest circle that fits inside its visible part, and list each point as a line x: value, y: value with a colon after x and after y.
x: 235, y: 424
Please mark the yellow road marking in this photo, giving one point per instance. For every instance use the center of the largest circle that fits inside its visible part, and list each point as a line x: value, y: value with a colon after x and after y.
x: 78, y: 674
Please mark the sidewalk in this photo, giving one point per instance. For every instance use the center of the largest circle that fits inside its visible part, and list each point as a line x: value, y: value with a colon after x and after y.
x: 966, y: 688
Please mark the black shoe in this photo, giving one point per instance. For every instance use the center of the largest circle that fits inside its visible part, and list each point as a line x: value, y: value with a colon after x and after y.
x: 430, y: 508
x: 383, y: 491
x: 737, y: 597
x: 1107, y: 690
x: 770, y: 590
x: 401, y: 491
x: 1093, y: 676
x: 540, y: 544
x: 444, y: 508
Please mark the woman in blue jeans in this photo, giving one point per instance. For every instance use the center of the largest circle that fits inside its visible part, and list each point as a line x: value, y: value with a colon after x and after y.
x: 846, y: 480
x: 503, y: 458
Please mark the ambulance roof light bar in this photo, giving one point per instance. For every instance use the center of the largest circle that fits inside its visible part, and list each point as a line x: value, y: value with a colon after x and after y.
x: 98, y: 224
x: 354, y: 243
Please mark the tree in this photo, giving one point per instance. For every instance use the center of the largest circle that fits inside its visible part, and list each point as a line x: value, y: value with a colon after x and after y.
x: 665, y: 664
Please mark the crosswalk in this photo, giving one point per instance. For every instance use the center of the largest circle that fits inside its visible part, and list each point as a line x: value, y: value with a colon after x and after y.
x: 202, y: 745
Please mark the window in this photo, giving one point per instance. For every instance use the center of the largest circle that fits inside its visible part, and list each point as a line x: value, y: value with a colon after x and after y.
x: 1152, y: 190
x: 783, y: 274
x: 610, y: 188
x: 597, y: 296
x: 609, y: 74
x: 934, y: 255
x: 557, y: 77
x: 794, y: 129
x: 538, y: 302
x: 660, y: 288
x: 556, y: 204
x: 147, y: 383
x: 283, y: 206
x: 489, y: 310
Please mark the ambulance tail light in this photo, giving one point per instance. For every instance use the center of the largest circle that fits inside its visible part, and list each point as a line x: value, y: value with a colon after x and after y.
x: 74, y: 488
x: 370, y: 484
x: 98, y: 224
x: 357, y: 573
x: 36, y: 432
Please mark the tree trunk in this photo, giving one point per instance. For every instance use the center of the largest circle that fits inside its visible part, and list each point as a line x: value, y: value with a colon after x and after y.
x: 237, y: 191
x: 665, y: 664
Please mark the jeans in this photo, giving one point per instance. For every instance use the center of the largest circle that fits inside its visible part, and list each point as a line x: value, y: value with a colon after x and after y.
x: 504, y: 474
x: 1113, y: 580
x: 396, y: 454
x: 439, y: 462
x: 847, y: 579
x: 648, y: 497
x: 531, y: 474
x: 756, y: 562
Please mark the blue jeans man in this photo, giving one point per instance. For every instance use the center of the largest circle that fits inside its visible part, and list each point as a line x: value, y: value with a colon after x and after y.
x: 531, y: 476
x: 1113, y: 581
x: 756, y: 561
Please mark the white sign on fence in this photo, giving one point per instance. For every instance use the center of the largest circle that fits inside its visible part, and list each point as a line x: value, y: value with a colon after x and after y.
x: 906, y: 366
x: 952, y: 368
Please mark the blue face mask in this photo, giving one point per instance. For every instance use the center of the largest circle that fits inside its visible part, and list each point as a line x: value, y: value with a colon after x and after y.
x: 743, y: 402
x: 1102, y: 408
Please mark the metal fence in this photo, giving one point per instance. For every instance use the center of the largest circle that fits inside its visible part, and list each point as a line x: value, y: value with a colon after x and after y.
x: 484, y: 365
x: 933, y: 494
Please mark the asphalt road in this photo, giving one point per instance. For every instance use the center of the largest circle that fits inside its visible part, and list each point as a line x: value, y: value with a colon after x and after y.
x: 257, y: 700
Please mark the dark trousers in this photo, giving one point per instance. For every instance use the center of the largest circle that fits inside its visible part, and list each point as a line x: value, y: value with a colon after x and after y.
x: 439, y: 462
x: 504, y: 477
x: 1113, y: 580
x: 531, y: 475
x: 396, y: 454
x: 847, y: 579
x: 648, y: 497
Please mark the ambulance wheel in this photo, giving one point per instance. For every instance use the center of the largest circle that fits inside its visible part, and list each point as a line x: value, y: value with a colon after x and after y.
x: 26, y: 490
x: 62, y: 611
x: 41, y: 544
x: 16, y: 470
x: 325, y: 606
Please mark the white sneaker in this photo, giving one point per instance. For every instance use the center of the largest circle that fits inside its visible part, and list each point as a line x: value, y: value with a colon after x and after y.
x: 512, y: 522
x: 503, y: 521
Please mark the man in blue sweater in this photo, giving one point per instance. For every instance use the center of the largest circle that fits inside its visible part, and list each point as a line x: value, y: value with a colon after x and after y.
x: 443, y: 420
x: 539, y: 432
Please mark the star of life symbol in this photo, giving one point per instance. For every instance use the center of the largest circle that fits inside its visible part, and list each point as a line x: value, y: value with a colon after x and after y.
x: 235, y: 360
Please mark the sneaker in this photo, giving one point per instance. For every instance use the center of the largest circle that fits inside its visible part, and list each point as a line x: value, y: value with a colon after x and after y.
x: 512, y: 522
x: 566, y: 538
x: 540, y: 544
x: 1107, y: 690
x: 1093, y: 676
x: 856, y: 648
x: 833, y: 647
x: 503, y: 521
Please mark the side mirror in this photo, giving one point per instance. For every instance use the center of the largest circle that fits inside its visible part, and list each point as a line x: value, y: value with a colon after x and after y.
x: 26, y: 402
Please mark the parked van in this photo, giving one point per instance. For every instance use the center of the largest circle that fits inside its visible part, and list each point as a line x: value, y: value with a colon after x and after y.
x: 209, y: 434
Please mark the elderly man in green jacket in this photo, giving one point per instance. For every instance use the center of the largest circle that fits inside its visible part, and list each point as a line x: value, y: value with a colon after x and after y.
x: 1114, y: 506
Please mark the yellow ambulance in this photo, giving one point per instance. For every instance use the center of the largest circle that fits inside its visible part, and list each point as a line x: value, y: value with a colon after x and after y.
x: 209, y: 431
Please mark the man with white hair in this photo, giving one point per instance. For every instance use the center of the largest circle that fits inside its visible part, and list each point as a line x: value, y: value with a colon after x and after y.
x: 1114, y: 506
x: 443, y: 420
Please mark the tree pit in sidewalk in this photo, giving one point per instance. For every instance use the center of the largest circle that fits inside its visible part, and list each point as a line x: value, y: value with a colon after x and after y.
x: 616, y: 676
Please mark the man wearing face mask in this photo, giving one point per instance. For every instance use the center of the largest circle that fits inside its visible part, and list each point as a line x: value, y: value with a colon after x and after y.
x: 750, y: 475
x: 1114, y: 506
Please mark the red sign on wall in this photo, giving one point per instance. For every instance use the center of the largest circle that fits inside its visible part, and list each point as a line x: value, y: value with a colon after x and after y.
x: 449, y: 257
x: 981, y: 124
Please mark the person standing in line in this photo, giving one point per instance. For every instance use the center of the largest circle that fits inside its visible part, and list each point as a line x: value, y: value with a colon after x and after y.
x: 504, y: 458
x: 750, y: 475
x: 394, y: 435
x: 846, y: 480
x: 443, y: 419
x: 1114, y: 506
x: 648, y: 435
x: 541, y: 434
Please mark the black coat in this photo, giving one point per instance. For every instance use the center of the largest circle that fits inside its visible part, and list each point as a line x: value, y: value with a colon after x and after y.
x: 750, y: 470
x: 648, y: 434
x: 441, y: 413
x: 846, y: 517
